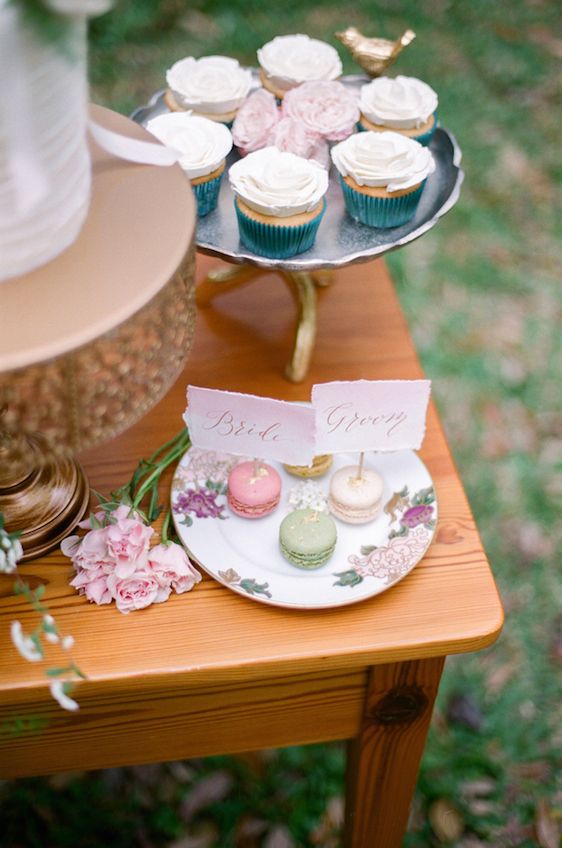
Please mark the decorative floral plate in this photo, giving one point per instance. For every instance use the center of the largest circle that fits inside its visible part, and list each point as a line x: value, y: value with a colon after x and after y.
x: 244, y: 554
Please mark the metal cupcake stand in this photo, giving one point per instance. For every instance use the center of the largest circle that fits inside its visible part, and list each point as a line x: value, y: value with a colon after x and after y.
x: 340, y: 241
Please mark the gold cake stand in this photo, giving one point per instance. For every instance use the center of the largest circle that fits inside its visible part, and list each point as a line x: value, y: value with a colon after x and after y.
x: 93, y: 339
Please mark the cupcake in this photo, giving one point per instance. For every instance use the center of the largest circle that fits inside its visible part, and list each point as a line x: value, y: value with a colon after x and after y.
x: 353, y: 499
x: 320, y: 464
x: 382, y: 175
x: 307, y: 538
x: 289, y: 60
x: 328, y: 110
x: 213, y: 87
x: 405, y: 105
x: 202, y: 146
x: 254, y: 489
x: 279, y: 201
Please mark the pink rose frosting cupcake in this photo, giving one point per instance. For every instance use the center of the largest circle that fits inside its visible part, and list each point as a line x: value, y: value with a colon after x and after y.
x: 326, y: 108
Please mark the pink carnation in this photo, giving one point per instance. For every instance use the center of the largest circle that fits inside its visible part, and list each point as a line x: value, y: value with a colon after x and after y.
x: 255, y: 119
x: 93, y: 584
x: 91, y: 552
x: 325, y: 108
x: 137, y: 591
x: 128, y: 541
x: 172, y: 568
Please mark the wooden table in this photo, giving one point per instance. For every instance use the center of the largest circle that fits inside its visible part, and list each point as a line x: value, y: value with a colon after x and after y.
x: 212, y: 672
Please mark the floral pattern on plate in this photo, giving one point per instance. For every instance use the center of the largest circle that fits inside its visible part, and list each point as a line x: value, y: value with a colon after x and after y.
x: 406, y: 543
x: 245, y: 556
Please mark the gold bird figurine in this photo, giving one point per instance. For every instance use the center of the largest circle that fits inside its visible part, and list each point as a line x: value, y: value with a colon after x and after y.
x: 374, y: 55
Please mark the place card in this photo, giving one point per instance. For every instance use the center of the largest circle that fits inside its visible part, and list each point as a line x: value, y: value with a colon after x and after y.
x: 248, y: 425
x: 362, y: 415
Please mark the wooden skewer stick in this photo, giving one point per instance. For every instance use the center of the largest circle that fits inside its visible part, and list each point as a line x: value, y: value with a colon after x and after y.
x: 360, y: 466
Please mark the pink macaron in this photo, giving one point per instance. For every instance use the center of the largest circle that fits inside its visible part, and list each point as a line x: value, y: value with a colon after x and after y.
x: 254, y: 489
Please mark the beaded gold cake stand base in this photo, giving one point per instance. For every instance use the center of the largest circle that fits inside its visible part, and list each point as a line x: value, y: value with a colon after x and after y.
x: 302, y: 285
x: 93, y: 339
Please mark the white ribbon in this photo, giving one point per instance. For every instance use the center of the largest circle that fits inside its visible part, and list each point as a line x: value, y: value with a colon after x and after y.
x: 131, y: 149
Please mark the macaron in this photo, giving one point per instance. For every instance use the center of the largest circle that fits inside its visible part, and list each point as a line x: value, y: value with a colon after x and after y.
x: 307, y: 538
x: 353, y: 499
x: 254, y: 489
x: 320, y: 464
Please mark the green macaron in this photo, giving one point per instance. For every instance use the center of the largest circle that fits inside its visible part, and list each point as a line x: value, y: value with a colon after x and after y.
x: 307, y: 538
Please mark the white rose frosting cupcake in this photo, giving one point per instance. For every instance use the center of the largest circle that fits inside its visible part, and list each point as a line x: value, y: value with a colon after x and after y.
x: 213, y: 87
x: 289, y: 60
x: 279, y: 201
x: 405, y: 104
x: 382, y: 175
x: 202, y: 146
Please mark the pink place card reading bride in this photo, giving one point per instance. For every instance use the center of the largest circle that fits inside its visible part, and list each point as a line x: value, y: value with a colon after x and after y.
x: 247, y: 425
x: 361, y: 415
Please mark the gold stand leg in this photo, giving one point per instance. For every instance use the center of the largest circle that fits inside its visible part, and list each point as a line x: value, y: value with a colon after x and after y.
x: 302, y: 285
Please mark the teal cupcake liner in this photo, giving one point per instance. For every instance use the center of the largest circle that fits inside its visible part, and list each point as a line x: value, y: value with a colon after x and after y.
x: 380, y: 212
x: 277, y: 241
x: 423, y: 139
x: 207, y: 195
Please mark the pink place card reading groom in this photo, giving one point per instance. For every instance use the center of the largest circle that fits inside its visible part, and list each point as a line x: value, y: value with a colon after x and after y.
x: 247, y: 425
x: 361, y: 415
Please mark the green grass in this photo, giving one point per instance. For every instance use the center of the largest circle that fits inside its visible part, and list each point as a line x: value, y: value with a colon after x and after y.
x: 483, y: 298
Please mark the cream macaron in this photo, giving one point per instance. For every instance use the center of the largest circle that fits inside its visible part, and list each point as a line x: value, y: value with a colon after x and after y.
x: 355, y: 499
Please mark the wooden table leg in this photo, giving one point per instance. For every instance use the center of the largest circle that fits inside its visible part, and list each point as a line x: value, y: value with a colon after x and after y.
x: 383, y: 760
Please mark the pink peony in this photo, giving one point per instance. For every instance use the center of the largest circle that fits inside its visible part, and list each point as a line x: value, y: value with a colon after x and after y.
x: 128, y: 541
x: 172, y: 568
x: 326, y: 108
x: 137, y: 591
x: 255, y: 119
x: 93, y: 584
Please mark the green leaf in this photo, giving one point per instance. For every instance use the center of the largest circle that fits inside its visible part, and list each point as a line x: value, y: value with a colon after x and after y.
x: 39, y: 592
x: 250, y: 586
x: 95, y: 523
x: 78, y: 672
x: 101, y: 498
x: 37, y: 642
x: 56, y: 672
x: 49, y: 628
x: 394, y: 534
x: 348, y: 578
x: 424, y: 496
x: 187, y: 521
x: 368, y: 549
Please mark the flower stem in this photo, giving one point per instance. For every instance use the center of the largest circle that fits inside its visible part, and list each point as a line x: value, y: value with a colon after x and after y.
x: 153, y: 478
x: 165, y: 525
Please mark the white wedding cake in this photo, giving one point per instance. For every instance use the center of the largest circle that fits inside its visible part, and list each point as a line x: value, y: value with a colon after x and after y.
x: 44, y: 158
